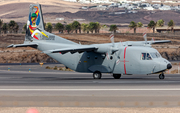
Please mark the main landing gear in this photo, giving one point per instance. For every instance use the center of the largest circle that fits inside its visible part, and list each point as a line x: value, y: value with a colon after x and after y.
x: 97, y: 75
x: 117, y: 76
x: 161, y: 76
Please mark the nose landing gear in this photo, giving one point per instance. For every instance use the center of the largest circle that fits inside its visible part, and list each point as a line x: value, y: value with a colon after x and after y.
x: 161, y: 76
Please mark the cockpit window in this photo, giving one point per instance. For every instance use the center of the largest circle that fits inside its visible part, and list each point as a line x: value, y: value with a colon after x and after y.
x: 159, y: 55
x: 148, y: 57
x: 145, y: 56
x: 155, y: 55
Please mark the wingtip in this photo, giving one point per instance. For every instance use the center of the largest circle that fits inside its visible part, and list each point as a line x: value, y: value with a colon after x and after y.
x: 12, y: 45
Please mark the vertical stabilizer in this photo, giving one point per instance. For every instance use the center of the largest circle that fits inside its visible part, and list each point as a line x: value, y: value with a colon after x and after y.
x: 35, y: 16
x: 35, y: 23
x: 35, y: 28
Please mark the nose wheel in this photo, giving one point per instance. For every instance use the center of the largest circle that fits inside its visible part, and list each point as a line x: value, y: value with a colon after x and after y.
x: 161, y: 76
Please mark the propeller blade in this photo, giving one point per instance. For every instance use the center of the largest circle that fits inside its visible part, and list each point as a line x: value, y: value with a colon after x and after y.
x: 112, y: 39
x: 152, y: 40
x: 145, y: 37
x: 107, y: 56
x: 117, y: 61
x: 120, y: 44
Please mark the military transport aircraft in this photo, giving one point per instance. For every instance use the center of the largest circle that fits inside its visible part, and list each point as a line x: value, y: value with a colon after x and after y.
x: 126, y: 58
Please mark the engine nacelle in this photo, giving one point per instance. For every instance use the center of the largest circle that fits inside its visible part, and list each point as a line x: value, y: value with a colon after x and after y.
x: 105, y: 49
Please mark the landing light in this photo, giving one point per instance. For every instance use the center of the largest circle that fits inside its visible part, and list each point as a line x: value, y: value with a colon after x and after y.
x: 41, y: 64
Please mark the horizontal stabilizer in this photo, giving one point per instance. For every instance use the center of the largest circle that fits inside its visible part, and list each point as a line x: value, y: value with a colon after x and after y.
x: 72, y: 50
x: 23, y: 45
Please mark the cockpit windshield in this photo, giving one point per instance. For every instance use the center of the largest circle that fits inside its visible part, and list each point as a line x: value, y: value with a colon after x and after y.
x: 155, y: 55
x: 149, y: 56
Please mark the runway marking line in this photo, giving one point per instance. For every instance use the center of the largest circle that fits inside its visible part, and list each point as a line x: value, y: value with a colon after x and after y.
x: 90, y: 89
x: 38, y: 72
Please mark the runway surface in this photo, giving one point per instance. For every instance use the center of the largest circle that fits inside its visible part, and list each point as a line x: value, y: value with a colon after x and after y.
x: 43, y: 87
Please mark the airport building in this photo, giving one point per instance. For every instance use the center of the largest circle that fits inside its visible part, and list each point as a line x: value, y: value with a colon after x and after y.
x: 167, y: 29
x: 126, y: 1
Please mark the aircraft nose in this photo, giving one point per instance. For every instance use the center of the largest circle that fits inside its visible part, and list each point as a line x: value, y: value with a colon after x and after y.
x: 169, y: 66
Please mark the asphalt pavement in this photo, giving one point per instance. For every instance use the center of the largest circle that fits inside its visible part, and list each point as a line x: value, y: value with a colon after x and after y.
x: 51, y: 88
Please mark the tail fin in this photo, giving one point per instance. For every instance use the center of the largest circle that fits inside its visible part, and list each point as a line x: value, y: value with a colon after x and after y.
x: 35, y: 16
x: 35, y: 23
x: 35, y: 28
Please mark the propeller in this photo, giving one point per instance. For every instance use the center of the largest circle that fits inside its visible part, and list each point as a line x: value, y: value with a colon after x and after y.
x: 112, y: 39
x: 152, y: 40
x: 112, y: 49
x: 145, y: 37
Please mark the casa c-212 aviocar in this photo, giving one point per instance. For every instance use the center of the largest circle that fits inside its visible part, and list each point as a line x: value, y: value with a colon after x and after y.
x: 126, y: 58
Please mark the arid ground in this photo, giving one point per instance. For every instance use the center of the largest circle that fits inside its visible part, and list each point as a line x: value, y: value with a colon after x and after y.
x: 170, y: 51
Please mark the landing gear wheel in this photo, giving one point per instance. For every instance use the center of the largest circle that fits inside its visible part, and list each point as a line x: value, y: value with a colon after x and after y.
x: 161, y: 76
x: 97, y: 75
x: 117, y: 76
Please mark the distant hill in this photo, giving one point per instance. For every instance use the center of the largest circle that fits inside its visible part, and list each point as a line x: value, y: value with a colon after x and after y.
x: 18, y: 9
x: 54, y: 9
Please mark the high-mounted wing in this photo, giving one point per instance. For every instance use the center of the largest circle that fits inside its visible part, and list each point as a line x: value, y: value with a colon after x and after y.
x: 142, y: 43
x: 160, y: 41
x: 23, y: 45
x: 72, y: 50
